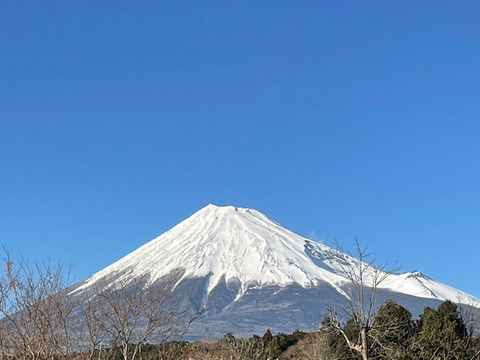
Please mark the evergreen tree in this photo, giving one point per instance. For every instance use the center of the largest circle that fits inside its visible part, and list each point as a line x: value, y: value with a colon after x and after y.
x: 444, y: 335
x: 267, y: 337
x: 279, y: 343
x: 392, y: 333
x: 336, y: 343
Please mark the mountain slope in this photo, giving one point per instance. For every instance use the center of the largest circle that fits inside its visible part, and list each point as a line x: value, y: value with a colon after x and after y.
x: 241, y: 255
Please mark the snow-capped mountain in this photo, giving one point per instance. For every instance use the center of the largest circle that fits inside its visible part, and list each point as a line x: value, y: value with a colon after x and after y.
x: 259, y: 274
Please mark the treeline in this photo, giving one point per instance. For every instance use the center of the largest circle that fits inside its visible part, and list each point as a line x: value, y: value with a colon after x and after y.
x: 229, y: 347
x: 42, y: 318
x: 439, y: 334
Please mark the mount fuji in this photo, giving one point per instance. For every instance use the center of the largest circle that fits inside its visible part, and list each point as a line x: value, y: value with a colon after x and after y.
x: 253, y: 274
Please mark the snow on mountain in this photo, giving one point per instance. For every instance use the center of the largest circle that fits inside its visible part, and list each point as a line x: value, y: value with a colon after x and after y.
x: 416, y: 284
x: 231, y: 244
x: 226, y: 242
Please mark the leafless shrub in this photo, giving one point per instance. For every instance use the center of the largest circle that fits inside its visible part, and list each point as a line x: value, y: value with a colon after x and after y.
x: 313, y: 347
x: 129, y: 313
x: 34, y: 310
x: 42, y: 318
x: 364, y: 277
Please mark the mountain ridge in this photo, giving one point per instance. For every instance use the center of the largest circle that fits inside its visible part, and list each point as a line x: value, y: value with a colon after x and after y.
x: 243, y: 243
x: 241, y: 255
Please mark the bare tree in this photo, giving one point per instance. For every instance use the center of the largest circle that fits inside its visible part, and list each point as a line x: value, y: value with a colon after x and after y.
x: 34, y: 310
x: 314, y: 346
x: 92, y: 318
x: 364, y: 276
x: 42, y: 318
x: 136, y: 312
x: 245, y: 349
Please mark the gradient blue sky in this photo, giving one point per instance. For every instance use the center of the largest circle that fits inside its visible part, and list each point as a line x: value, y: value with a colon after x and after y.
x: 118, y: 119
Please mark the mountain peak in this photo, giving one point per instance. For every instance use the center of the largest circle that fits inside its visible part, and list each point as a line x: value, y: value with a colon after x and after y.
x: 228, y: 243
x: 216, y: 210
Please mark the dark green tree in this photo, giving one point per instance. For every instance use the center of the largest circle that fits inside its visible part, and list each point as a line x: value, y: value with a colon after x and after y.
x: 336, y: 342
x: 267, y: 337
x: 392, y: 333
x: 443, y: 334
x: 279, y: 343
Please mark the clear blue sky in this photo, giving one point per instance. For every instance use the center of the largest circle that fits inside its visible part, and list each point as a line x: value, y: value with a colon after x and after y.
x: 118, y: 119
